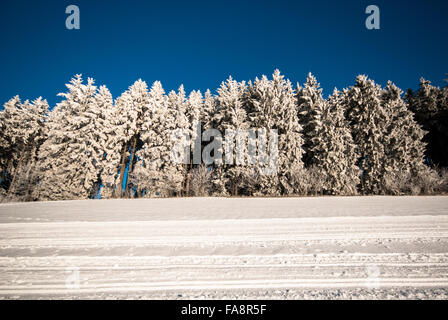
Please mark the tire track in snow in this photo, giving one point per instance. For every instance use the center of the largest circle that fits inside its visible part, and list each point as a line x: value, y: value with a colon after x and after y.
x: 227, y: 256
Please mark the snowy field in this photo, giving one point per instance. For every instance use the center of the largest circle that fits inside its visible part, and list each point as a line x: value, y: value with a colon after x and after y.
x: 213, y: 248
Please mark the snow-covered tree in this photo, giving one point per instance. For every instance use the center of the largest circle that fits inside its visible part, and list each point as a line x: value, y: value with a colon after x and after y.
x: 179, y: 142
x: 271, y: 105
x: 155, y: 173
x: 70, y: 159
x: 147, y: 174
x: 131, y: 107
x: 369, y: 120
x: 231, y: 120
x: 201, y: 181
x: 10, y: 141
x: 208, y: 111
x: 194, y: 111
x: 106, y: 138
x: 23, y: 132
x: 334, y: 152
x: 311, y: 105
x: 430, y: 106
x: 404, y: 139
x: 34, y: 133
x: 405, y: 148
x: 261, y: 114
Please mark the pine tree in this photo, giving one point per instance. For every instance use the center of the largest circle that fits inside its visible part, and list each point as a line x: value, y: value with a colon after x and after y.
x: 260, y: 108
x: 147, y: 175
x: 23, y: 132
x: 369, y: 120
x: 156, y: 174
x: 10, y: 141
x: 70, y: 158
x: 430, y: 106
x: 34, y: 132
x: 103, y: 138
x: 194, y: 109
x: 404, y: 137
x: 231, y: 120
x: 131, y: 107
x: 113, y: 146
x: 208, y: 111
x: 272, y: 105
x: 404, y: 140
x: 311, y: 105
x: 179, y: 129
x: 334, y: 149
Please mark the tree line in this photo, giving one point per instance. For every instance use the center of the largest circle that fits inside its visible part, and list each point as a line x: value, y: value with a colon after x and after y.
x: 365, y: 139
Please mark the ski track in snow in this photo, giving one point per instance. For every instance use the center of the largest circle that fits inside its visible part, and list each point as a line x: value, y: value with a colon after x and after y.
x: 213, y: 248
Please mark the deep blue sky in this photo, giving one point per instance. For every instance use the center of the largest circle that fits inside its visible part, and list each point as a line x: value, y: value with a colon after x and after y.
x: 200, y: 43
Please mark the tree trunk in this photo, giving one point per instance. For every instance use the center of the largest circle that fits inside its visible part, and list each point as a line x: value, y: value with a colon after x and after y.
x: 31, y: 165
x: 30, y: 183
x: 235, y: 189
x: 14, y: 178
x: 187, y: 188
x: 13, y: 181
x: 131, y: 165
x: 122, y: 169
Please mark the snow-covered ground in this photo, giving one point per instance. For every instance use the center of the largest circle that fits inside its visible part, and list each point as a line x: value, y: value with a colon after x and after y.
x: 281, y: 248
